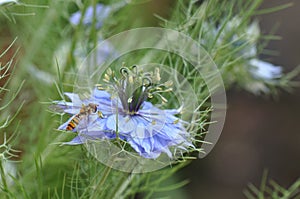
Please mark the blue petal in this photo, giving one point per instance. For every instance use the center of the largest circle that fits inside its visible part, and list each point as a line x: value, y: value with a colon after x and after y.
x: 140, y: 137
x: 105, y: 50
x: 162, y: 146
x: 75, y: 18
x: 91, y: 135
x: 125, y: 123
x: 136, y: 145
x: 102, y: 12
x: 99, y: 94
x: 74, y: 98
x: 173, y: 111
x: 81, y: 139
x: 147, y: 105
x: 77, y: 140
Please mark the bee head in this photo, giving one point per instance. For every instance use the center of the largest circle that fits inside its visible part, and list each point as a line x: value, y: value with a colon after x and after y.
x: 93, y: 107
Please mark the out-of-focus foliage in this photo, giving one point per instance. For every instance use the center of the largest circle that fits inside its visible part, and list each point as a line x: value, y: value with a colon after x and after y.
x: 269, y: 189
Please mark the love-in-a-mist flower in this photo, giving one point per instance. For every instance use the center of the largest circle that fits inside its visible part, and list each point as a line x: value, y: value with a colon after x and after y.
x: 124, y: 112
x: 235, y: 36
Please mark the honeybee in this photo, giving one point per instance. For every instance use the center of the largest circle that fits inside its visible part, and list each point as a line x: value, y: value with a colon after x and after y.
x: 83, y: 114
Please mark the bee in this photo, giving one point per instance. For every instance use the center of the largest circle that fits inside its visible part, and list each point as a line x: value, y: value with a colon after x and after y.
x: 83, y: 114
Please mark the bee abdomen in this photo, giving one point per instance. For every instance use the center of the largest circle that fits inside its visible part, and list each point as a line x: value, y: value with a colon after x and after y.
x: 73, y: 123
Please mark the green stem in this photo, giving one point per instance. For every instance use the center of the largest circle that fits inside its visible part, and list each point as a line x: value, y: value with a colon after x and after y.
x: 101, y: 182
x: 122, y: 185
x: 3, y: 178
x: 71, y: 60
x: 117, y: 122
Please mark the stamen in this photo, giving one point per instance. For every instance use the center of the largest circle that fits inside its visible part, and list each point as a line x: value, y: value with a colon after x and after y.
x: 129, y: 100
x: 157, y: 74
x: 100, y: 114
x: 168, y: 83
x: 100, y: 87
x: 146, y: 81
x: 176, y: 121
x: 124, y: 71
x: 130, y: 79
x: 164, y: 100
x: 106, y: 77
x: 135, y: 86
x: 109, y: 72
x: 135, y: 69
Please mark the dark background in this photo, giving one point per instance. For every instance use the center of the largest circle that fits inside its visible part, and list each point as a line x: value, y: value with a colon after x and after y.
x: 260, y: 132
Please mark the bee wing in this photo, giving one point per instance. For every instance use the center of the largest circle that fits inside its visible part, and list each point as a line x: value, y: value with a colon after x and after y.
x: 64, y: 107
x: 72, y: 107
x: 55, y: 108
x: 86, y: 122
x: 83, y: 123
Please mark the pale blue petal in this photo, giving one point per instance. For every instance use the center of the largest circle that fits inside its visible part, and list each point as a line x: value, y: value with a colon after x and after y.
x: 265, y: 70
x: 77, y: 140
x: 140, y: 137
x: 102, y: 12
x: 99, y: 94
x: 75, y: 18
x: 172, y: 134
x: 111, y: 123
x: 136, y: 145
x: 162, y: 145
x: 74, y: 98
x: 146, y: 105
x: 125, y: 123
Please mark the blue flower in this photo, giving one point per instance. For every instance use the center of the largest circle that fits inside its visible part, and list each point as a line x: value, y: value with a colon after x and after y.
x: 245, y: 38
x: 102, y: 12
x: 126, y: 115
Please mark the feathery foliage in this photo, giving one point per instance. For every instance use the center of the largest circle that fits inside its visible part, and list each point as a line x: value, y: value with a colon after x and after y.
x: 271, y: 189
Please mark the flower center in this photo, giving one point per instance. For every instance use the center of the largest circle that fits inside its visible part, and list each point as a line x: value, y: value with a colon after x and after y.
x: 134, y: 87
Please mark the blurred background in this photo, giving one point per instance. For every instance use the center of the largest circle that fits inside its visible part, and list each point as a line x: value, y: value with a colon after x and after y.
x: 260, y: 133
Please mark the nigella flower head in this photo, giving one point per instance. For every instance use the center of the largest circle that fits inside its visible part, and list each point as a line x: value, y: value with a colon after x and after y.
x: 120, y: 109
x: 242, y: 41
